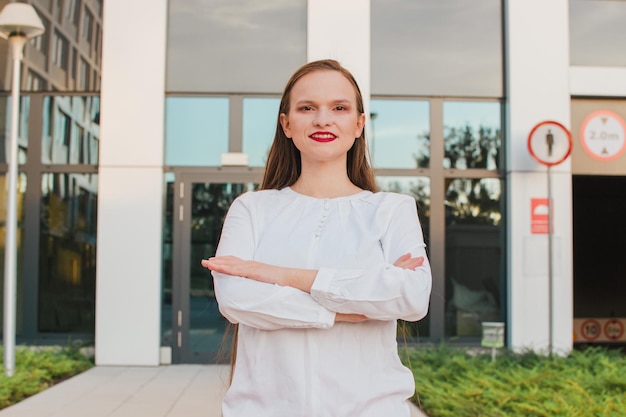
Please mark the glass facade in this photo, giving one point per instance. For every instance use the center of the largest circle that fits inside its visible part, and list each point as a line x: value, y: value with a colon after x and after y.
x: 597, y: 30
x: 5, y: 128
x: 472, y: 135
x: 437, y: 85
x: 225, y: 46
x: 400, y: 133
x: 58, y: 155
x: 441, y: 48
x: 67, y: 56
x: 259, y: 125
x: 474, y: 260
x: 67, y: 253
x: 196, y: 130
x: 70, y: 130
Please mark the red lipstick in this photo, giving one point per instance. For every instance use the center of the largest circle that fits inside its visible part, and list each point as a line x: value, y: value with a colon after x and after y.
x: 323, y: 136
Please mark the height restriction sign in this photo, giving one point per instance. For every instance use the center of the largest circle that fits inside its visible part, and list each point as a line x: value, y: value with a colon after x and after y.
x: 550, y: 143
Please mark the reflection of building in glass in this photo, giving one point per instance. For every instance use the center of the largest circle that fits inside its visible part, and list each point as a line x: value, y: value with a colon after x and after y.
x: 67, y: 56
x: 71, y: 130
x: 59, y: 141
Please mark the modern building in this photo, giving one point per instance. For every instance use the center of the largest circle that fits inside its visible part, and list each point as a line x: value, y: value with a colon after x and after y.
x: 523, y: 226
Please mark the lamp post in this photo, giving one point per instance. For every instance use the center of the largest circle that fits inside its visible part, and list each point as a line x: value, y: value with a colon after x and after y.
x: 18, y: 23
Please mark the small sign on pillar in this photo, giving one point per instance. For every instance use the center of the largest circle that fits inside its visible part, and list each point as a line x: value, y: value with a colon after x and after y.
x: 539, y: 216
x: 549, y: 143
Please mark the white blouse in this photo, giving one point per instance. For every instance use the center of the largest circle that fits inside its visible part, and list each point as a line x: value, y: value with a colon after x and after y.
x: 293, y: 360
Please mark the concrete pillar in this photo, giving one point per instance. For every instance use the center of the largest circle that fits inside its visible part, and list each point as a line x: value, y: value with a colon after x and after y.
x: 130, y: 197
x: 537, y: 89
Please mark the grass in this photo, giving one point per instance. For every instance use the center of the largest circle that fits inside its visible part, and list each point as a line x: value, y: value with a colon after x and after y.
x: 37, y: 369
x: 450, y: 382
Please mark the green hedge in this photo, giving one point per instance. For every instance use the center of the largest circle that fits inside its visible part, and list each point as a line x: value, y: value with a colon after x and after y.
x: 37, y: 369
x: 450, y: 382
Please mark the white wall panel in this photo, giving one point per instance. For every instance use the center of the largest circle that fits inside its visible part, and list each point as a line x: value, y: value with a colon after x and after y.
x: 597, y: 81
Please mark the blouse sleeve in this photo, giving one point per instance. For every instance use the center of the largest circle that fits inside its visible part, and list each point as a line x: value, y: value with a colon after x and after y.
x: 258, y: 304
x: 383, y: 292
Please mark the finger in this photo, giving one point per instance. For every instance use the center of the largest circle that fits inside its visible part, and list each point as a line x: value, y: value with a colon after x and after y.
x: 411, y: 263
x: 402, y: 258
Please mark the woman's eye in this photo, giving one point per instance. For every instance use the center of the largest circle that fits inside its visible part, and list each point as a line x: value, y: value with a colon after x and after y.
x: 306, y: 108
x: 341, y: 108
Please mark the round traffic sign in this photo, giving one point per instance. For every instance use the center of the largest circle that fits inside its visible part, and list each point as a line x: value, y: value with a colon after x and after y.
x: 603, y: 135
x: 590, y: 330
x: 614, y: 329
x: 550, y: 143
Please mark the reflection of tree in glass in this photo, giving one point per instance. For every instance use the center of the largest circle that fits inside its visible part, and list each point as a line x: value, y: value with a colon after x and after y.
x: 422, y: 157
x: 465, y: 148
x: 419, y: 190
x: 473, y: 201
x: 210, y: 204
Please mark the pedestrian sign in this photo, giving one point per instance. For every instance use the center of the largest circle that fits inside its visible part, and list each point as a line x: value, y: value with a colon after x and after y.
x: 549, y: 143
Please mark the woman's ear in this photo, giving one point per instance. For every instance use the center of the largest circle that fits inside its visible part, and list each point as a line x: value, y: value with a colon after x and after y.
x: 284, y: 122
x: 360, y: 124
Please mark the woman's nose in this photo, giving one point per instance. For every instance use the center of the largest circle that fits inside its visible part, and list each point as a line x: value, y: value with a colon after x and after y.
x: 323, y: 118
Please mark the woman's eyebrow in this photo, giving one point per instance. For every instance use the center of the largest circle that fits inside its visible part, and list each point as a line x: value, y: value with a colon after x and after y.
x: 336, y: 101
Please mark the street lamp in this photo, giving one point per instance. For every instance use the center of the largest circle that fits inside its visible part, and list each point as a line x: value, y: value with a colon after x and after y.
x: 18, y: 23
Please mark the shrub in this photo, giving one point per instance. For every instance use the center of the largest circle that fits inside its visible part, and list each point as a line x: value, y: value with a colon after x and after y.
x: 37, y: 369
x: 450, y: 382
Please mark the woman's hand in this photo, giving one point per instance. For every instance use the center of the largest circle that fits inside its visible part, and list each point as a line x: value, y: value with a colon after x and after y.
x: 350, y: 318
x: 301, y: 279
x: 406, y: 262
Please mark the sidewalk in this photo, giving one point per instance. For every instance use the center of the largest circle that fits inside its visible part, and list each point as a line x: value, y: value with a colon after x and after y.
x: 164, y: 391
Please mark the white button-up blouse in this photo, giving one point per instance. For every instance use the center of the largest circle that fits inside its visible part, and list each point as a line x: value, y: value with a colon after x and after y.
x: 293, y: 360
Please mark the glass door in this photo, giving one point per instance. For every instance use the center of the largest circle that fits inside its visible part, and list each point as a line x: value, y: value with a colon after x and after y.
x: 200, y: 203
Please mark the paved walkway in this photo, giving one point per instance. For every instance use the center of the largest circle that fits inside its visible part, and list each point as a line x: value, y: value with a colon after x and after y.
x: 164, y: 391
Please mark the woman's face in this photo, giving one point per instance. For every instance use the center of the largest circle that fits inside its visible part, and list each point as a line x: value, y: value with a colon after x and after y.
x: 323, y: 120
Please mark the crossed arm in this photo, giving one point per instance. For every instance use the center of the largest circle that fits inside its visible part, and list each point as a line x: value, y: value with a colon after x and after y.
x: 301, y: 279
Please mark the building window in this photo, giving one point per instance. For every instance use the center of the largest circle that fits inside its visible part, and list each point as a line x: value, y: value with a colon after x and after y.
x: 67, y: 253
x: 60, y: 51
x: 96, y: 45
x: 34, y: 81
x: 400, y: 133
x: 86, y: 28
x: 82, y: 75
x: 58, y: 10
x: 71, y: 11
x: 474, y: 260
x: 259, y: 126
x: 440, y: 48
x: 232, y: 35
x: 472, y: 135
x: 597, y: 33
x: 76, y: 130
x: 196, y: 130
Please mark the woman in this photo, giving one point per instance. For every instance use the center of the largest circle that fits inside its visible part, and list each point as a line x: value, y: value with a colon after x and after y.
x: 317, y: 267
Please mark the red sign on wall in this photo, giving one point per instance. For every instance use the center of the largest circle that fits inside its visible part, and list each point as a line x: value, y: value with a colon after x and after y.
x: 600, y: 329
x: 539, y: 210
